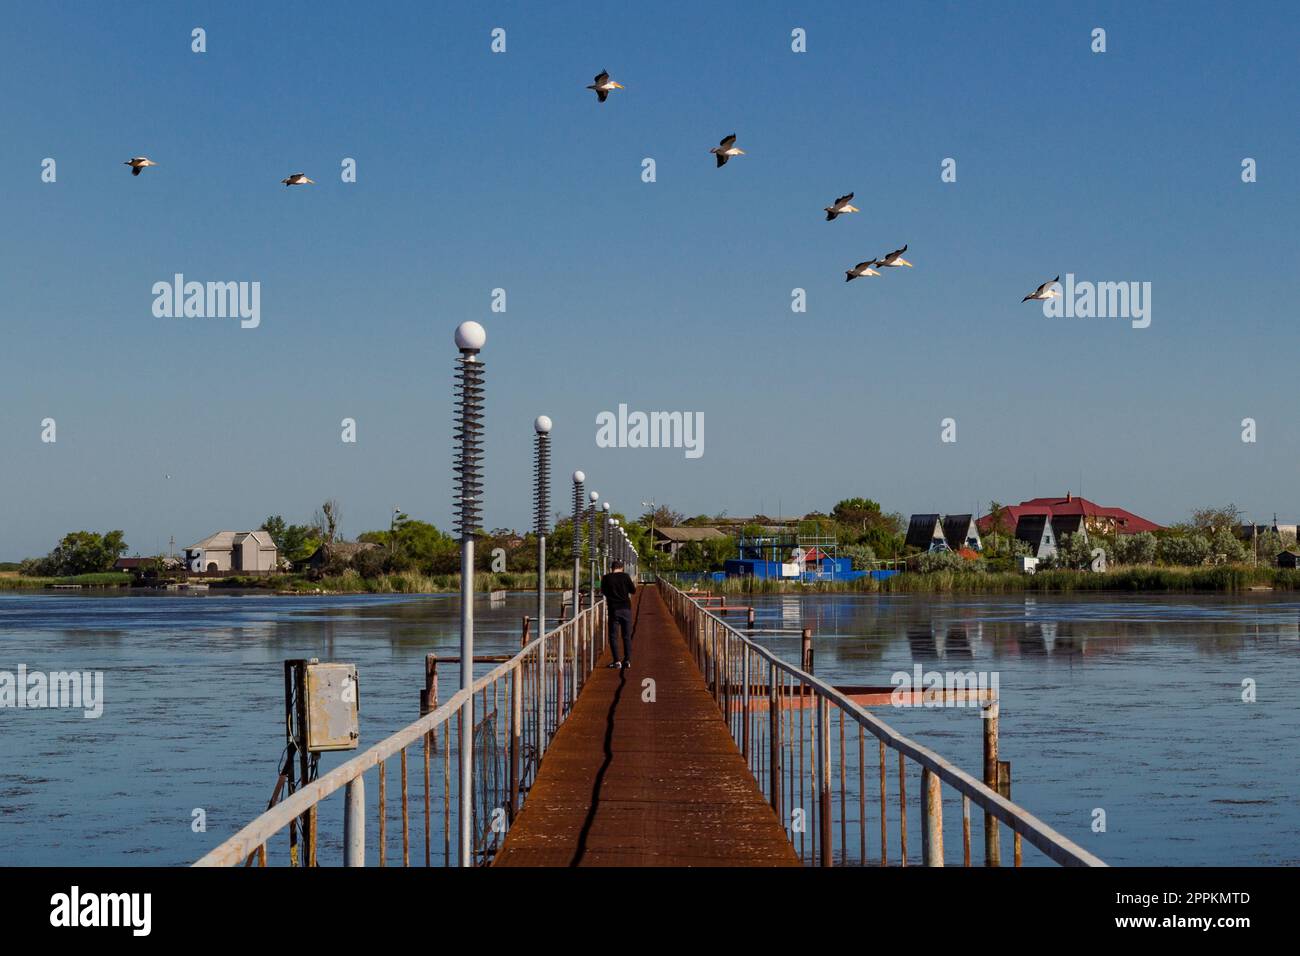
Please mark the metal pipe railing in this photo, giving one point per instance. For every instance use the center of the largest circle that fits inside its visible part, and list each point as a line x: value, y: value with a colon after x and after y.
x: 793, y: 758
x: 519, y: 705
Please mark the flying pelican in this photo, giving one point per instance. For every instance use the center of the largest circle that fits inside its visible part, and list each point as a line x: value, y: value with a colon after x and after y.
x: 862, y: 269
x: 604, y: 85
x: 297, y: 179
x: 895, y: 258
x: 840, y: 205
x: 726, y: 149
x: 138, y: 163
x: 1045, y: 291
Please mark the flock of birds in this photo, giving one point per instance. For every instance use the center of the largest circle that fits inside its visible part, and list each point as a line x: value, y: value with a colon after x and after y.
x: 725, y: 150
x: 138, y: 163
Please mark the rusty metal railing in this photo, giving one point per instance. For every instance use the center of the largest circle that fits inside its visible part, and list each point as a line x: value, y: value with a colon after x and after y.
x: 517, y: 707
x: 806, y: 745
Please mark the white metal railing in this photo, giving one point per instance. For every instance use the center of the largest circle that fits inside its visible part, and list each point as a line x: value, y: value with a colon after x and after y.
x: 517, y: 707
x: 764, y: 700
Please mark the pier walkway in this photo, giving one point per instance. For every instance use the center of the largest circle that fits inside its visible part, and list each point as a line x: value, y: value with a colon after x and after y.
x: 646, y: 774
x: 712, y: 750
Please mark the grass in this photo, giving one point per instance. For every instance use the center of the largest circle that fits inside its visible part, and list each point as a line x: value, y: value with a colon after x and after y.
x: 412, y: 582
x: 107, y: 579
x: 1224, y: 578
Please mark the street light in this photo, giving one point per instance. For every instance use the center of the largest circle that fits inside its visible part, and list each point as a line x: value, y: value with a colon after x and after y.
x: 593, y: 546
x: 470, y: 338
x: 651, y: 505
x: 541, y: 508
x: 578, y: 496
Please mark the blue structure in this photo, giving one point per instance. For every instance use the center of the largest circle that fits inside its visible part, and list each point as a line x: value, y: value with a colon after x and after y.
x: 827, y: 569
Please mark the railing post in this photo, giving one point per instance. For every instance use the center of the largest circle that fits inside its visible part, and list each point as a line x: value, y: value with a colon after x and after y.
x: 931, y: 818
x: 992, y: 844
x: 354, y: 823
x: 516, y: 731
x: 774, y: 737
x: 824, y: 778
x: 744, y: 705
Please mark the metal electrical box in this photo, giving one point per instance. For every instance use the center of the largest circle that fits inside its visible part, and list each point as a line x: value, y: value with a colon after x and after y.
x: 332, y: 707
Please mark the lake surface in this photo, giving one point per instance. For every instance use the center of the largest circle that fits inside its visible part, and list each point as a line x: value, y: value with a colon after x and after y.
x: 1130, y: 704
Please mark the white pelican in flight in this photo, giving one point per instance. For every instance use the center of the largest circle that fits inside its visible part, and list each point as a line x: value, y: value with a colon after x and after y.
x: 895, y: 258
x: 1045, y: 291
x: 297, y: 179
x: 840, y: 205
x: 862, y: 269
x: 138, y: 163
x: 726, y: 149
x: 604, y: 85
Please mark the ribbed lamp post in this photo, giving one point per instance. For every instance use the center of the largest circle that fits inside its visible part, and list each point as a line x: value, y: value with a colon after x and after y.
x: 578, y: 501
x: 541, y: 508
x: 470, y: 338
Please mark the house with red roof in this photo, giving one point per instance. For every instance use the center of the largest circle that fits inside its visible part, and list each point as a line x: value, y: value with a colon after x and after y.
x: 1095, y: 518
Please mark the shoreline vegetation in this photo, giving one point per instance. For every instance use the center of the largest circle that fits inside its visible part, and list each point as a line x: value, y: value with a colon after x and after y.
x: 1135, y: 579
x: 1212, y: 552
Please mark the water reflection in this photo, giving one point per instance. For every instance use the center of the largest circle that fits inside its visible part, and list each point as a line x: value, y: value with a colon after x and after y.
x: 1126, y: 702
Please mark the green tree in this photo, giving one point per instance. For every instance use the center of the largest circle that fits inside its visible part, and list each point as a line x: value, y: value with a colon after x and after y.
x: 80, y: 552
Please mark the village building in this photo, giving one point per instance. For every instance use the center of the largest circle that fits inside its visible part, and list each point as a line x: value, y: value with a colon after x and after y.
x: 1097, y: 519
x: 938, y: 532
x: 671, y: 540
x: 1037, y: 532
x: 245, y: 552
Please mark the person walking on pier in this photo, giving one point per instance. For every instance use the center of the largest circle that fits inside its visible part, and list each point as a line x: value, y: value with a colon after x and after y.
x: 617, y: 587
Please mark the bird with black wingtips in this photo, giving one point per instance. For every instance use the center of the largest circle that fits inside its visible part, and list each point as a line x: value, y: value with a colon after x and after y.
x: 138, y: 163
x: 841, y: 205
x: 603, y: 86
x: 862, y: 269
x: 725, y: 149
x: 895, y: 258
x: 298, y: 179
x: 1045, y: 291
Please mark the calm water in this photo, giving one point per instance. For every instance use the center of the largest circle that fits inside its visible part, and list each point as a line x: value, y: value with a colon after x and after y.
x: 1128, y: 704
x: 194, y: 708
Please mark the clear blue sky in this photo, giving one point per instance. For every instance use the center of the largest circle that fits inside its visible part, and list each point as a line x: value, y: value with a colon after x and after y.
x: 478, y: 170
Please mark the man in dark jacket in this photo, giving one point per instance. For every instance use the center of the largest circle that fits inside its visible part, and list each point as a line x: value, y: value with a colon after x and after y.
x: 617, y: 587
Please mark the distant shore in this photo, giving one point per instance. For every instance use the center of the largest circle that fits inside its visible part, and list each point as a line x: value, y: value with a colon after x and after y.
x: 1146, y: 579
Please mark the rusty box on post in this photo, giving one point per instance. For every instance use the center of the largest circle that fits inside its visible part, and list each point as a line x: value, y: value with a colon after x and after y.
x: 332, y: 707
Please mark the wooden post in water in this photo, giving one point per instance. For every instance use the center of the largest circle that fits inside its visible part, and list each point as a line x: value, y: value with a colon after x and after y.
x: 1004, y: 788
x: 806, y: 650
x: 429, y: 696
x: 992, y: 845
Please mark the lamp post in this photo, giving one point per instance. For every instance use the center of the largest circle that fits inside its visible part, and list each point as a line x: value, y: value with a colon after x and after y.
x: 592, y: 546
x: 470, y: 338
x: 541, y: 508
x: 578, y: 479
x: 652, y: 504
x: 604, y: 538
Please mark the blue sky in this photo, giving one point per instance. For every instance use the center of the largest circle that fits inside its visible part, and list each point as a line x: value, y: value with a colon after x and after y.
x: 478, y: 170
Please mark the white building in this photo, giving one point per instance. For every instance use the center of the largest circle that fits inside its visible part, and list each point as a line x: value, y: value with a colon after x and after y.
x: 242, y: 551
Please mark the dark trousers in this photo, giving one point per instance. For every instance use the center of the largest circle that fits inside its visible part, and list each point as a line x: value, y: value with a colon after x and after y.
x: 620, y: 620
